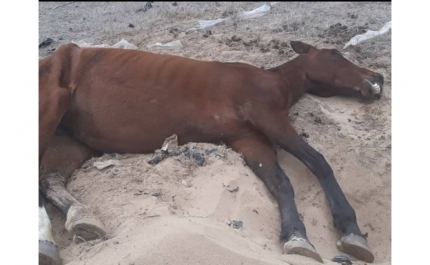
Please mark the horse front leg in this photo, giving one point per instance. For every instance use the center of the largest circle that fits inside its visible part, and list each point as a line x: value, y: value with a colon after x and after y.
x: 276, y: 126
x: 260, y: 155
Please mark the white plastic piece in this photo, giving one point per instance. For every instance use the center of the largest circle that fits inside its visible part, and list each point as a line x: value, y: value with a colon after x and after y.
x: 204, y: 24
x: 258, y: 12
x: 84, y: 44
x: 368, y: 35
x: 173, y: 44
x: 123, y: 44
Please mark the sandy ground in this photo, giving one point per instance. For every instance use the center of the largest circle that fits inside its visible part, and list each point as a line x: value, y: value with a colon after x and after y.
x: 176, y: 212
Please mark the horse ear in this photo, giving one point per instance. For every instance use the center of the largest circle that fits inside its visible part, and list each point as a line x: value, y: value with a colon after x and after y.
x: 301, y: 47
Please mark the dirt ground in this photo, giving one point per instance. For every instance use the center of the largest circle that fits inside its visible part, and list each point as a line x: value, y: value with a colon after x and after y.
x: 177, y: 212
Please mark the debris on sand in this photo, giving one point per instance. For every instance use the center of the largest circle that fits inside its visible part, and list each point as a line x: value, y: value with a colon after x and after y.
x: 46, y: 43
x: 205, y: 24
x: 195, y: 155
x: 304, y: 136
x: 235, y: 224
x: 105, y: 164
x: 122, y: 44
x: 170, y: 148
x: 158, y: 158
x: 368, y: 35
x: 258, y: 12
x: 156, y: 193
x: 147, y: 6
x: 184, y: 183
x: 342, y: 259
x: 172, y: 44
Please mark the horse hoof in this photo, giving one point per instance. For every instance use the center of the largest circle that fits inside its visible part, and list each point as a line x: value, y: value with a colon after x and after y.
x: 302, y: 247
x: 89, y: 229
x: 48, y: 253
x: 356, y: 246
x: 82, y: 222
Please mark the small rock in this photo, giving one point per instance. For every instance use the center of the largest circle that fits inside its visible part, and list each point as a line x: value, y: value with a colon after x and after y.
x: 46, y: 43
x: 147, y: 6
x: 236, y: 224
x: 304, y: 136
x: 130, y: 25
x: 233, y: 186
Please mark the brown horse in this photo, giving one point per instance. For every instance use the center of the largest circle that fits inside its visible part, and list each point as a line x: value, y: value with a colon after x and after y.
x: 127, y: 101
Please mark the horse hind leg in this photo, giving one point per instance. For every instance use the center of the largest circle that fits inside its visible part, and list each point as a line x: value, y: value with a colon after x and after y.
x: 80, y: 219
x: 62, y: 157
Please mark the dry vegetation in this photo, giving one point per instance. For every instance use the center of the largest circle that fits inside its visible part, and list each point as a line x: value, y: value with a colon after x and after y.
x: 354, y: 137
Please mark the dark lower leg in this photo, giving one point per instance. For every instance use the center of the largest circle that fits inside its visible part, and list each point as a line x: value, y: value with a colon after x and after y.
x: 352, y: 241
x: 344, y: 217
x: 280, y: 186
x: 261, y: 157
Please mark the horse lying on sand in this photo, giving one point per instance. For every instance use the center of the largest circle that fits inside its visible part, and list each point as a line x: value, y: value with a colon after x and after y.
x: 129, y: 101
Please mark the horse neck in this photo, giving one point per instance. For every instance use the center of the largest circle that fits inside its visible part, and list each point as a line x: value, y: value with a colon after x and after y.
x: 293, y: 77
